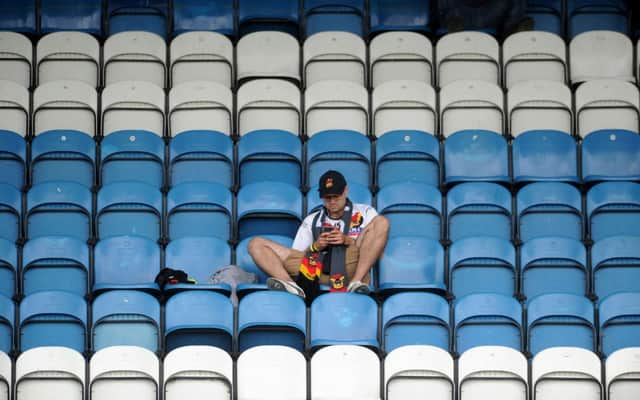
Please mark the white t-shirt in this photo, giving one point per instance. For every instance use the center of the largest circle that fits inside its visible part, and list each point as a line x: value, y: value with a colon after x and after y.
x: 360, y: 217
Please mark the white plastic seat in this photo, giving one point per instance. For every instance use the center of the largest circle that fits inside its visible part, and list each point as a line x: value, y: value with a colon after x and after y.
x: 601, y: 55
x: 492, y: 372
x: 200, y: 105
x: 49, y: 373
x: 410, y: 371
x: 5, y: 376
x: 65, y: 105
x: 201, y: 56
x: 469, y: 104
x: 407, y: 55
x: 133, y: 106
x: 534, y: 55
x: 269, y: 104
x: 198, y: 373
x: 135, y: 56
x: 566, y: 373
x: 403, y: 105
x: 622, y: 369
x: 124, y: 372
x: 268, y: 54
x: 14, y: 107
x: 16, y: 53
x: 345, y: 372
x: 606, y: 104
x: 272, y: 373
x: 336, y: 105
x: 467, y: 55
x: 68, y: 56
x: 334, y: 55
x: 539, y: 105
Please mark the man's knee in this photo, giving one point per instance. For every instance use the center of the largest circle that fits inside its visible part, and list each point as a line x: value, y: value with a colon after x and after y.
x: 381, y: 225
x: 256, y: 245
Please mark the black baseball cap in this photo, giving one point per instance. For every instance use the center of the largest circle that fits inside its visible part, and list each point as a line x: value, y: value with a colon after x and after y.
x: 331, y: 182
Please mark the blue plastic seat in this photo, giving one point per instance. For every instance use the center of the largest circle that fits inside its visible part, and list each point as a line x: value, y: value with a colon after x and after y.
x: 348, y: 152
x: 548, y: 15
x: 270, y: 155
x: 126, y: 318
x: 13, y: 156
x: 615, y: 265
x: 400, y: 15
x: 140, y: 15
x: 129, y: 208
x: 414, y: 318
x: 476, y: 155
x: 199, y: 209
x: 411, y: 262
x: 200, y: 257
x: 594, y: 15
x: 7, y: 315
x: 18, y: 16
x: 407, y: 156
x: 268, y: 208
x: 8, y: 268
x: 479, y: 209
x: 272, y: 318
x: 545, y: 155
x: 68, y: 15
x: 553, y: 264
x: 357, y: 194
x: 126, y: 262
x: 619, y: 321
x: 55, y: 263
x: 203, y: 15
x: 482, y: 264
x: 59, y: 208
x: 199, y: 318
x: 549, y: 209
x: 10, y: 212
x: 245, y: 261
x: 53, y: 318
x: 63, y: 155
x: 487, y: 319
x: 258, y: 15
x: 413, y: 209
x: 132, y: 156
x: 201, y: 156
x: 611, y: 154
x: 344, y: 318
x: 613, y: 209
x: 334, y: 15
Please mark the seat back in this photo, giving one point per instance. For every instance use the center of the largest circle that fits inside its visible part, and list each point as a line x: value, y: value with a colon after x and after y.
x: 613, y: 208
x: 270, y: 155
x: 256, y: 15
x: 124, y: 372
x: 45, y: 370
x: 468, y: 55
x: 73, y: 56
x: 619, y: 322
x: 334, y: 55
x: 400, y: 53
x: 330, y: 15
x: 149, y: 16
x: 135, y: 56
x: 185, y: 367
x: 8, y: 268
x: 16, y: 61
x: 10, y: 213
x: 566, y: 371
x: 413, y: 209
x: 534, y: 55
x: 589, y: 15
x: 7, y: 318
x: 622, y: 369
x: 135, y: 105
x: 403, y: 15
x: 336, y: 105
x: 615, y: 265
x: 268, y: 54
x: 190, y: 15
x: 403, y: 105
x: 471, y: 104
x: 199, y: 256
x: 269, y: 104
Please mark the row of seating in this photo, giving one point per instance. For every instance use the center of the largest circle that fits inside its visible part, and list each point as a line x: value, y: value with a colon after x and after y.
x: 275, y: 372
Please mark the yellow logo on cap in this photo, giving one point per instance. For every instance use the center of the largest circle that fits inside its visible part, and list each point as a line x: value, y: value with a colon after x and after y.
x: 329, y: 183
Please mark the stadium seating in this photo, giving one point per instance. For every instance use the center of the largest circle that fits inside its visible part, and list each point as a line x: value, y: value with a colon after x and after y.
x: 135, y: 56
x: 565, y: 372
x: 13, y: 129
x: 406, y: 15
x: 66, y: 15
x: 244, y: 261
x: 8, y: 268
x: 269, y: 104
x: 7, y: 320
x: 591, y: 15
x: 197, y: 15
x: 467, y: 56
x: 619, y: 325
x: 72, y: 56
x: 334, y: 15
x: 256, y: 15
x: 615, y: 265
x: 10, y: 213
x: 357, y: 194
x: 547, y: 15
x: 336, y: 105
x: 268, y: 54
x: 18, y: 17
x: 334, y: 56
x: 146, y: 15
x: 621, y: 370
x: 601, y: 54
x: 16, y: 60
x: 534, y: 55
x: 400, y: 54
x: 613, y: 208
x: 200, y: 56
x: 65, y: 105
x: 133, y: 105
x: 403, y: 105
x: 413, y: 209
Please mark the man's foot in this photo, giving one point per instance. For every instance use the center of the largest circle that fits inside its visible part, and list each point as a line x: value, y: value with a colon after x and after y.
x: 358, y: 287
x: 285, y: 286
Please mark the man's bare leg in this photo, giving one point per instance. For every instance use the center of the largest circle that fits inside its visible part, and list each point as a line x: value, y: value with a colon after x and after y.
x: 371, y: 243
x: 270, y: 256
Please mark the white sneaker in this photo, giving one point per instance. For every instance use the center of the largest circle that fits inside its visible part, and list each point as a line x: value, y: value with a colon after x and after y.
x: 358, y: 287
x: 285, y: 286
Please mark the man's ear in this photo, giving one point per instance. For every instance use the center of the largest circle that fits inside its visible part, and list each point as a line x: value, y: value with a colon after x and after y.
x: 346, y: 191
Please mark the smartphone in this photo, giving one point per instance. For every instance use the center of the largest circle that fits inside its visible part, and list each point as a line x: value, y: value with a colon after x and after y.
x: 327, y: 229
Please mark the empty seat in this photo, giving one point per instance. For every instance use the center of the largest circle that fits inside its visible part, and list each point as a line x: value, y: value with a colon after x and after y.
x: 403, y: 105
x: 194, y: 15
x: 534, y: 55
x: 185, y: 367
x: 392, y: 15
x: 68, y: 56
x: 621, y: 370
x: 615, y: 265
x: 10, y: 213
x: 272, y: 372
x: 412, y: 208
x: 547, y: 15
x: 601, y: 54
x: 334, y: 363
x: 132, y: 157
x: 17, y: 54
x: 59, y: 208
x: 334, y: 56
x: 549, y: 209
x: 268, y: 54
x: 336, y: 105
x: 331, y: 15
x: 606, y: 104
x: 591, y: 15
x: 270, y: 155
x: 133, y: 106
x: 245, y: 261
x: 611, y: 155
x: 487, y: 319
x: 467, y: 56
x: 200, y: 56
x: 271, y: 318
x: 482, y: 264
x: 135, y: 56
x: 269, y: 104
x: 53, y: 318
x: 479, y: 209
x: 66, y: 15
x: 255, y: 15
x: 55, y: 263
x: 144, y: 15
x: 414, y: 318
x: 418, y: 369
x: 7, y: 318
x: 553, y: 264
x: 199, y: 318
x: 619, y: 321
x: 199, y: 209
x: 124, y: 372
x: 125, y: 317
x: 566, y: 372
x: 357, y: 194
x: 487, y: 370
x: 19, y: 17
x: 14, y: 114
x: 126, y: 262
x: 412, y: 262
x: 400, y: 54
x: 6, y: 376
x: 50, y: 373
x: 8, y: 268
x: 613, y: 209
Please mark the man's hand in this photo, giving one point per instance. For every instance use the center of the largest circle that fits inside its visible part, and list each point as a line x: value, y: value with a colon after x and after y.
x: 323, y: 241
x: 336, y: 237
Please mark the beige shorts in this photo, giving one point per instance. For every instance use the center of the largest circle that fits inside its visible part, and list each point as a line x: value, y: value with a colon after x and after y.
x: 293, y: 261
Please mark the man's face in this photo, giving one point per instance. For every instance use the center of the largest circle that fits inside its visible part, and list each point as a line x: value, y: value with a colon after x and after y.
x: 334, y: 203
